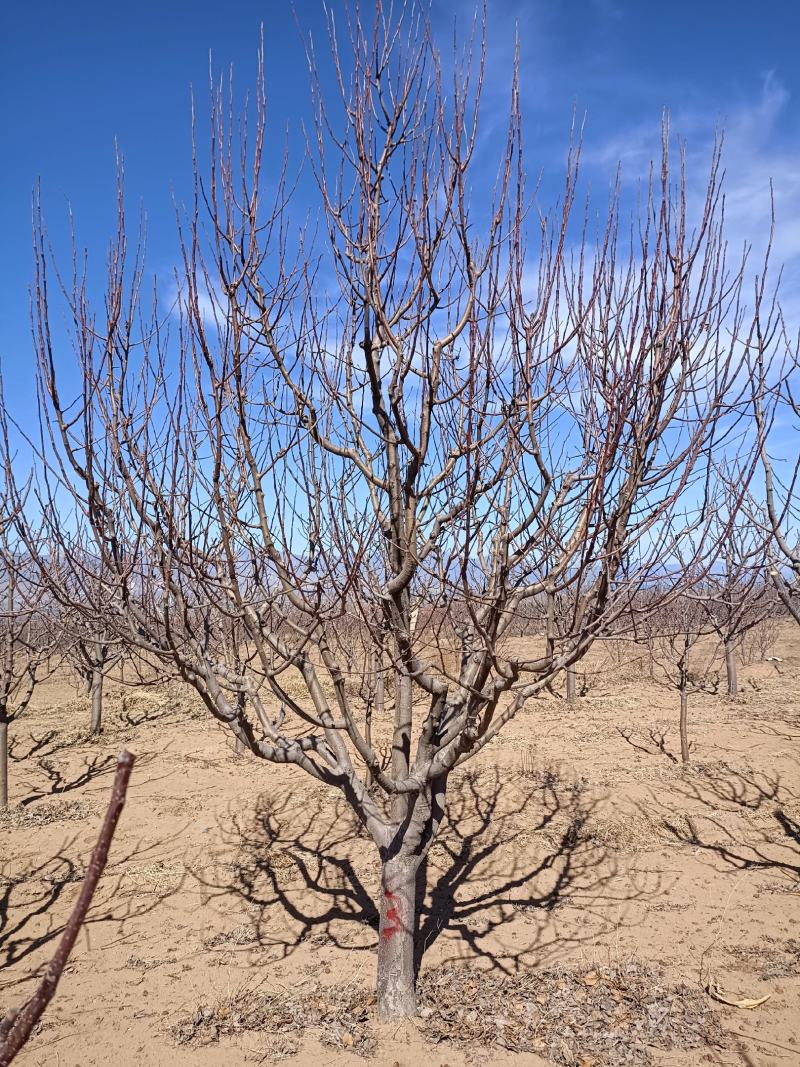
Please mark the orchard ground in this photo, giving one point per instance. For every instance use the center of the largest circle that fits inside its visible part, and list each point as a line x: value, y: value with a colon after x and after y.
x: 236, y: 921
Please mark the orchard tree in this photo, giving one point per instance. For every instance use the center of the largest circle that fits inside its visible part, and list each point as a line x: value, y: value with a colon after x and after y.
x: 27, y: 637
x: 738, y: 594
x: 73, y: 577
x: 679, y: 662
x: 775, y: 370
x: 390, y: 435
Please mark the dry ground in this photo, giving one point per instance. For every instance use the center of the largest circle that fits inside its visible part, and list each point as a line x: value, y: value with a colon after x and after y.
x: 582, y: 867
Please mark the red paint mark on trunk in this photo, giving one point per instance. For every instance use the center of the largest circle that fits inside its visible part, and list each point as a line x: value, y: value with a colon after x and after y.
x: 392, y: 918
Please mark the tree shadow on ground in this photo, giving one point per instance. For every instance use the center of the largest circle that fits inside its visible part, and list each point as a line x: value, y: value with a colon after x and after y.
x: 60, y: 782
x: 658, y: 739
x: 149, y: 716
x: 38, y: 745
x: 510, y: 848
x: 28, y: 894
x: 768, y: 839
x: 31, y: 892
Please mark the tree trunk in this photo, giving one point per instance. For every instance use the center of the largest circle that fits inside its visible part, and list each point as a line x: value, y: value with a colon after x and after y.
x: 683, y: 685
x: 730, y: 668
x: 3, y: 763
x: 238, y: 744
x: 571, y: 686
x: 684, y: 720
x: 396, y: 984
x: 97, y: 702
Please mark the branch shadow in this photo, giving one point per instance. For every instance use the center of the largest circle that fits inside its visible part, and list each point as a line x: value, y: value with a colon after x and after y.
x: 509, y: 848
x: 38, y: 745
x: 659, y: 741
x: 61, y: 783
x: 770, y: 842
x: 148, y: 717
x: 32, y: 890
x: 28, y: 894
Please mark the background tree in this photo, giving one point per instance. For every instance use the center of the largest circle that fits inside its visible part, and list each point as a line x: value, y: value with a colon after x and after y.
x: 27, y: 637
x: 680, y: 661
x: 776, y: 408
x: 91, y: 645
x: 738, y: 595
x: 407, y: 429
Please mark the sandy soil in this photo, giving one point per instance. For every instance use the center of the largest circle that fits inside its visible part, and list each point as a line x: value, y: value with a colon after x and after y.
x: 575, y: 839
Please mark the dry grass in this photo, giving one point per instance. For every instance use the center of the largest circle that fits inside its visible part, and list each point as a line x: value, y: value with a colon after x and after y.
x: 46, y: 813
x: 159, y: 878
x: 630, y: 833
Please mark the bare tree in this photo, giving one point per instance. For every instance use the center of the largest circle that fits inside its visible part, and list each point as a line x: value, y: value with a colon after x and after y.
x: 776, y: 379
x: 406, y: 430
x: 679, y: 662
x: 90, y: 644
x: 737, y: 595
x: 27, y: 636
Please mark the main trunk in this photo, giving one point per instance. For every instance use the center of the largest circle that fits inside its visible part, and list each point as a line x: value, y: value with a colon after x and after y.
x: 571, y: 685
x: 683, y: 674
x: 397, y: 998
x: 97, y: 701
x: 684, y: 726
x: 730, y: 668
x: 3, y: 763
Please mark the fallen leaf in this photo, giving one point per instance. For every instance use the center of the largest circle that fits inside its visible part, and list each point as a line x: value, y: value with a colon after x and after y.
x: 713, y: 990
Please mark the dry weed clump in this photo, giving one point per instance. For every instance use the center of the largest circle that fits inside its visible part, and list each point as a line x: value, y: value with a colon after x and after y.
x: 630, y: 832
x: 47, y: 812
x: 607, y: 1016
x: 158, y: 878
x: 341, y: 1016
x: 243, y: 934
x: 771, y: 958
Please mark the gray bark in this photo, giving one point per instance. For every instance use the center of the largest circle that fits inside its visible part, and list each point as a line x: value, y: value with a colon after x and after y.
x: 684, y: 727
x: 396, y: 979
x: 3, y: 763
x: 96, y: 689
x: 571, y: 685
x: 730, y: 669
x: 401, y: 741
x: 683, y: 668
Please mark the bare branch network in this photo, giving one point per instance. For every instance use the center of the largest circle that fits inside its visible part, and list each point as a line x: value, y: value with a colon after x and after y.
x: 332, y: 486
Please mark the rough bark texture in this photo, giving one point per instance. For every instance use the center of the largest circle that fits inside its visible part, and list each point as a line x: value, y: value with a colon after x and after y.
x: 571, y: 686
x: 684, y: 721
x: 96, y: 690
x: 3, y: 763
x: 730, y: 669
x: 396, y: 984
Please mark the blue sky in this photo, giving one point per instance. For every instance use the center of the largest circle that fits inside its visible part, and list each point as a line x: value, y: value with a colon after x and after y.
x: 76, y: 76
